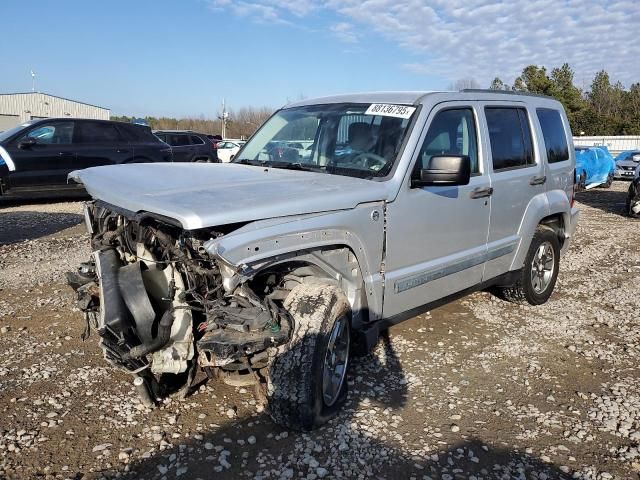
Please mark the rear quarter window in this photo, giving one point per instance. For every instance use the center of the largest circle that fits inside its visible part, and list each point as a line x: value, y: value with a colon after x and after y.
x: 555, y: 138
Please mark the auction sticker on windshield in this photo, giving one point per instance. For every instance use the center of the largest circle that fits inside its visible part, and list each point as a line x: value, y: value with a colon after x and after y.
x: 389, y: 110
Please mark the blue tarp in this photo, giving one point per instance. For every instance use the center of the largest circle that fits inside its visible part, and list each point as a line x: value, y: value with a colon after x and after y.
x: 595, y: 163
x: 624, y: 154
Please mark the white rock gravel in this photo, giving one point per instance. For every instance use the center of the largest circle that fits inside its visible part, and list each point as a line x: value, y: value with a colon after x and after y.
x: 478, y: 389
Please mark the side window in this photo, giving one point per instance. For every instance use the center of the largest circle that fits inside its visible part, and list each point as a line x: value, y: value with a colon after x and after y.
x: 55, y: 133
x: 452, y: 132
x: 196, y: 140
x: 178, y: 140
x: 510, y: 137
x: 94, y: 132
x: 555, y: 139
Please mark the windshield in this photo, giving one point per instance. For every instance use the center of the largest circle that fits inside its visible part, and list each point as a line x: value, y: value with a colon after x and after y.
x: 358, y: 140
x: 12, y: 131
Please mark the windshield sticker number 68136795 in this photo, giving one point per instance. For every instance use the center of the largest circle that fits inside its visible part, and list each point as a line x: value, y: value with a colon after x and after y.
x: 389, y: 110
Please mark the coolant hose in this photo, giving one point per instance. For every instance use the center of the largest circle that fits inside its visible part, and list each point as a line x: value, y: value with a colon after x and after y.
x: 164, y: 332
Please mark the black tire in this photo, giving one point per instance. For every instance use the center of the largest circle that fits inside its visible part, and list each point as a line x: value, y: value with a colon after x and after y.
x: 609, y: 181
x: 523, y: 291
x: 633, y: 199
x: 582, y: 183
x: 295, y: 380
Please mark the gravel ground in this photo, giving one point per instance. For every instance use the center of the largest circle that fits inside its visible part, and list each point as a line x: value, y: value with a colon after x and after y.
x: 477, y: 389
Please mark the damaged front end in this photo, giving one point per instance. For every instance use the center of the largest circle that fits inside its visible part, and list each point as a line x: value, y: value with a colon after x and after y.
x: 163, y: 306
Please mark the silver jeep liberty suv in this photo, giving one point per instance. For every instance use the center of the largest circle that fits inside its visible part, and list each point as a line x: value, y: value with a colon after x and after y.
x: 340, y: 217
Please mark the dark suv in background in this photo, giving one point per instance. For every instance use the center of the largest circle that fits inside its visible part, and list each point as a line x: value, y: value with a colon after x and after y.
x: 37, y: 156
x: 188, y: 146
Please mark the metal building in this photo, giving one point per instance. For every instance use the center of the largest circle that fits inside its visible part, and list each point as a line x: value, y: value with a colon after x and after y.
x: 20, y: 107
x: 615, y: 144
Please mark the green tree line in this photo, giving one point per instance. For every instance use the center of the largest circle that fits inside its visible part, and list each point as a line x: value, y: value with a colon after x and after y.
x: 606, y: 108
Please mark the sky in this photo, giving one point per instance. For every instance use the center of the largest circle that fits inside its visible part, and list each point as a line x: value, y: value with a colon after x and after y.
x: 183, y: 57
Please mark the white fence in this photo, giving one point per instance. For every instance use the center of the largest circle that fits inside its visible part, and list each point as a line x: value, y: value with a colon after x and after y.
x: 615, y: 144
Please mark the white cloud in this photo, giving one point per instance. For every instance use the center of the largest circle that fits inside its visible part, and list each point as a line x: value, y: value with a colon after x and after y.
x: 344, y: 31
x: 472, y: 38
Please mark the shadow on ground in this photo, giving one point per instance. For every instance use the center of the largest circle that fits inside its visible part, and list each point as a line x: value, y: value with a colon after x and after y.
x: 607, y: 200
x: 29, y: 225
x: 358, y: 443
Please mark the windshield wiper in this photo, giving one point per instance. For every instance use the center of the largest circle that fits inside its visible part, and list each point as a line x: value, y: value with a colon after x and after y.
x: 291, y: 166
x: 246, y: 161
x: 277, y: 164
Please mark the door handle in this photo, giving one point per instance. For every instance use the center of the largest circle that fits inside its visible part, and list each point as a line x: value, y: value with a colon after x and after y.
x: 538, y: 180
x: 65, y: 154
x: 481, y: 192
x: 122, y: 151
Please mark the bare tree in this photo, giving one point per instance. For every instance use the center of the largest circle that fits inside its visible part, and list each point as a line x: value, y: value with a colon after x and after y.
x: 464, y: 83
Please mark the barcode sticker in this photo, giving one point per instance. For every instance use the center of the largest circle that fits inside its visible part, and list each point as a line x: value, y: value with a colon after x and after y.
x: 389, y: 110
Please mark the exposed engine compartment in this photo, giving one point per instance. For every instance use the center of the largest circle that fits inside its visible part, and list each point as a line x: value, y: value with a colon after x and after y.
x: 156, y: 299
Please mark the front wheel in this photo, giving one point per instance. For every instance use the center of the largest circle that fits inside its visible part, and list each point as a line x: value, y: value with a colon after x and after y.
x: 633, y: 199
x: 539, y: 272
x: 582, y: 182
x: 307, y: 383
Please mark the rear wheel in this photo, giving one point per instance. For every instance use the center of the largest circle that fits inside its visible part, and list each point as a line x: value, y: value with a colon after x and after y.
x: 307, y: 377
x: 540, y: 271
x: 609, y: 181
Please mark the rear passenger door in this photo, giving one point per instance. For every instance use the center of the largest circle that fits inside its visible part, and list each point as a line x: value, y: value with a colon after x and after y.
x: 99, y: 143
x: 517, y: 175
x: 181, y: 146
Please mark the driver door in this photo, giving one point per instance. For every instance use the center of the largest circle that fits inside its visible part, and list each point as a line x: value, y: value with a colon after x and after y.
x: 46, y: 162
x: 437, y: 235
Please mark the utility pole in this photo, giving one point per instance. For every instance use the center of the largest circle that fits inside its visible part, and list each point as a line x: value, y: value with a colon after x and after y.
x: 33, y: 81
x: 224, y: 117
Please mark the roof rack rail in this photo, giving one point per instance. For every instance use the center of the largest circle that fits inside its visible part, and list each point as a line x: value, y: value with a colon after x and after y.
x: 505, y: 92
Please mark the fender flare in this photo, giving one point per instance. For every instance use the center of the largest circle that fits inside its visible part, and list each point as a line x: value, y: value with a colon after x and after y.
x: 258, y: 245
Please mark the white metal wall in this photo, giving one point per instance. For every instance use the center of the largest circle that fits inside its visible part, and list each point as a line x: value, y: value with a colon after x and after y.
x: 615, y: 144
x: 40, y: 105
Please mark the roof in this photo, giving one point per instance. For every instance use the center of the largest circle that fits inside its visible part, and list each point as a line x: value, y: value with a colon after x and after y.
x: 173, y: 131
x: 407, y: 98
x: 192, y: 132
x: 415, y: 97
x: 77, y: 119
x: 55, y: 96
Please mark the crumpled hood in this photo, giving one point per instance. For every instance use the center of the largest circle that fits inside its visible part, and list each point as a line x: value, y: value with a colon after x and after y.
x: 202, y: 195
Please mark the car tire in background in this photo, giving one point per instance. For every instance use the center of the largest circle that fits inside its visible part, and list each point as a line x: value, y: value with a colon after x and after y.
x: 582, y: 182
x: 633, y: 199
x: 539, y: 273
x: 300, y: 392
x: 609, y: 181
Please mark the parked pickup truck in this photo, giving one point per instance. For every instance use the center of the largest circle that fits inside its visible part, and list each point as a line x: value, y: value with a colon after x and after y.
x: 272, y: 269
